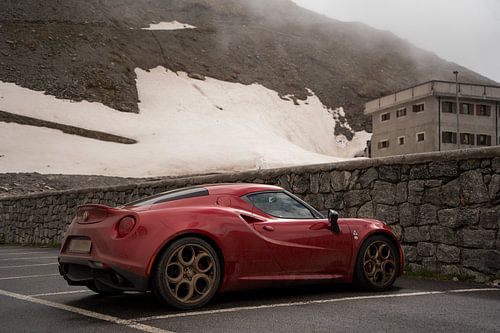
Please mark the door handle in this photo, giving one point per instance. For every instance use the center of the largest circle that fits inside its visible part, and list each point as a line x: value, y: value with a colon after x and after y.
x: 319, y: 226
x: 268, y: 228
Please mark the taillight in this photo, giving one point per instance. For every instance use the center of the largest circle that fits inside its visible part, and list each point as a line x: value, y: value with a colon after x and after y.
x: 125, y: 226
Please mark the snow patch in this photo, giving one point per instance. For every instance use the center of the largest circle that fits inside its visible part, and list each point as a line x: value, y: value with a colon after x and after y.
x: 185, y: 126
x: 173, y: 25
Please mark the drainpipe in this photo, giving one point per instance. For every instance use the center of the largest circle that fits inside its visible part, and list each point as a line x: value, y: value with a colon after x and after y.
x: 497, y: 114
x: 439, y: 124
x: 457, y: 108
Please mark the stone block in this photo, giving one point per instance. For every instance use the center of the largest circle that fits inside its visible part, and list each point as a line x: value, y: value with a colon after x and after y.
x: 448, y: 217
x: 432, y: 196
x: 470, y: 164
x: 495, y: 164
x: 448, y: 254
x: 430, y: 264
x: 324, y: 182
x: 300, y: 183
x: 467, y: 216
x: 315, y: 200
x: 352, y: 182
x: 484, y: 239
x: 386, y: 213
x: 356, y: 197
x: 410, y: 253
x: 451, y: 193
x: 489, y: 218
x: 474, y: 190
x: 450, y: 270
x: 443, y: 235
x: 426, y: 214
x: 415, y: 191
x: 383, y: 192
x: 443, y: 168
x: 391, y: 173
x: 419, y: 172
x: 426, y: 249
x: 398, y: 231
x: 401, y: 192
x: 416, y: 234
x: 333, y: 201
x: 368, y: 177
x: 494, y: 188
x: 475, y: 259
x: 339, y: 180
x: 407, y: 214
x: 366, y: 210
x: 314, y: 183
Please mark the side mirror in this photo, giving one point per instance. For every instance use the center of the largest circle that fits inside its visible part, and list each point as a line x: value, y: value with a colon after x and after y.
x: 333, y: 217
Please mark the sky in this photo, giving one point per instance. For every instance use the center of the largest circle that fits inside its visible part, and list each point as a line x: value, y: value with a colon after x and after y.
x: 466, y: 32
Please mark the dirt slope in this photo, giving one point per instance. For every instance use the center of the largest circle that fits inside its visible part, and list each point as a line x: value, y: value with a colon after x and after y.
x: 89, y: 49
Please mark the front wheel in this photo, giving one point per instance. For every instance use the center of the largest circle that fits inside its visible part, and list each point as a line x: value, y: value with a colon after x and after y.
x: 377, y: 264
x: 188, y: 274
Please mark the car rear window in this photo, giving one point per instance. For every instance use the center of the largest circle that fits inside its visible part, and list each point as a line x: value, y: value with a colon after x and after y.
x: 182, y: 193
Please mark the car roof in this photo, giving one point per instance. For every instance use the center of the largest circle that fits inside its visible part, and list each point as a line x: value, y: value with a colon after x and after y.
x: 239, y: 189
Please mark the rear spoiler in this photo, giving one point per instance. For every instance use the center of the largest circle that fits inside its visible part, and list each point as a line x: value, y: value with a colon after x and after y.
x: 94, y: 213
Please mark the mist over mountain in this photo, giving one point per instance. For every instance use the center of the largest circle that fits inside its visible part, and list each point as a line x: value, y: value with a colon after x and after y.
x: 89, y: 50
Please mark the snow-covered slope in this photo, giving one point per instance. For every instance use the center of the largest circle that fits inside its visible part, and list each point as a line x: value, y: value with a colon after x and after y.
x: 184, y: 126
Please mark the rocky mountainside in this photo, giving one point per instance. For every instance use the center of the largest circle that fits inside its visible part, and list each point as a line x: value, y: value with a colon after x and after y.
x: 89, y: 50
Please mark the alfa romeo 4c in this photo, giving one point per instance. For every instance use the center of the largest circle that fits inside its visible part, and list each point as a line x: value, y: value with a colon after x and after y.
x: 188, y: 244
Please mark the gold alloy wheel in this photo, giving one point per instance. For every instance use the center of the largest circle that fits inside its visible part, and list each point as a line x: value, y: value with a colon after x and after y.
x: 190, y: 273
x: 379, y: 263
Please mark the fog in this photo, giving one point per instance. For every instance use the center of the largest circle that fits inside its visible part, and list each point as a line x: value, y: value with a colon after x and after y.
x: 466, y: 32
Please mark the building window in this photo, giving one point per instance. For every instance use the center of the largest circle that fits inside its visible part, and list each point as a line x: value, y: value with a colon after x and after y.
x: 483, y: 140
x: 448, y: 107
x: 449, y: 137
x: 467, y: 108
x: 467, y: 139
x: 385, y: 116
x: 421, y: 137
x: 483, y: 110
x: 384, y: 144
x: 418, y: 107
x: 401, y: 113
x: 401, y: 140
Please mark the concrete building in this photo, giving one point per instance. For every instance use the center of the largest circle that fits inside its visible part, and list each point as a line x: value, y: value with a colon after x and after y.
x: 423, y: 118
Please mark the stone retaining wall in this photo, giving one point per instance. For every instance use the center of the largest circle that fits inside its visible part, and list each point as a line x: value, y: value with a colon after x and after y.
x: 445, y: 207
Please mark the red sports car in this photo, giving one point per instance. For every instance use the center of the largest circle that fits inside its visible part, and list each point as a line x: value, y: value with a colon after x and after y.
x: 188, y: 244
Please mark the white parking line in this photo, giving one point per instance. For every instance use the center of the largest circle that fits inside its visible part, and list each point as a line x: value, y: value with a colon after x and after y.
x: 320, y: 301
x: 21, y: 253
x: 30, y: 258
x: 61, y: 293
x: 31, y: 265
x: 27, y: 276
x: 86, y: 313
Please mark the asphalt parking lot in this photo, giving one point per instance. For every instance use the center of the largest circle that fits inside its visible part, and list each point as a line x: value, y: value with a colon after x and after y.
x: 34, y: 298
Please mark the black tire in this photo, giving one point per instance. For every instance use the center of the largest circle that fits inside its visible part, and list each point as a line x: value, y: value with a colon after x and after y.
x: 103, y: 291
x: 187, y: 274
x: 377, y: 264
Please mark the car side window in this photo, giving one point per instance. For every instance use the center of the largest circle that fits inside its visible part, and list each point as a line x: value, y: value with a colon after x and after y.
x: 281, y: 205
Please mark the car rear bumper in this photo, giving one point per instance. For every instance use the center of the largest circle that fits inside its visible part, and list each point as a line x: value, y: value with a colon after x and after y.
x: 83, y: 271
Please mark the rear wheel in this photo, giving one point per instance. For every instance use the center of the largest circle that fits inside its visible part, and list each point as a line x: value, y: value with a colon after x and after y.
x: 104, y: 291
x: 377, y: 265
x: 188, y: 274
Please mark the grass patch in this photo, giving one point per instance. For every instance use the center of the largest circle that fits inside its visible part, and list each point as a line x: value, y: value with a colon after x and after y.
x: 425, y: 273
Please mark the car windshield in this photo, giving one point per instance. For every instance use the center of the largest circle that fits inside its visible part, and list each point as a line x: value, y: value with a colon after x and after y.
x: 183, y: 193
